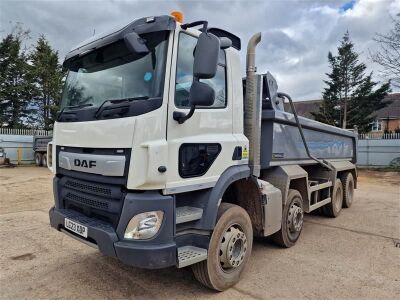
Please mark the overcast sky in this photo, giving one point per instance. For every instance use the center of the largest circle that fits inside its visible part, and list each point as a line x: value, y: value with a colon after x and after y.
x: 296, y: 35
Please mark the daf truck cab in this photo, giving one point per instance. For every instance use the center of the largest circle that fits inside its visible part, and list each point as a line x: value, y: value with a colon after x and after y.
x: 163, y: 155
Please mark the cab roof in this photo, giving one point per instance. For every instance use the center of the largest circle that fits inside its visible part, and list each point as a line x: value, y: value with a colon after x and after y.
x: 143, y: 25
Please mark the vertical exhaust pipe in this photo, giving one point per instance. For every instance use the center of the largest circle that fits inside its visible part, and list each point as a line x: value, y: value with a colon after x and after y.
x: 252, y: 117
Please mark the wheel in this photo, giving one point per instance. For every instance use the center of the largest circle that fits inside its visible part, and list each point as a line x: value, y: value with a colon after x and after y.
x: 229, y: 249
x: 44, y: 160
x: 348, y: 189
x: 292, y: 221
x: 333, y: 208
x: 38, y: 159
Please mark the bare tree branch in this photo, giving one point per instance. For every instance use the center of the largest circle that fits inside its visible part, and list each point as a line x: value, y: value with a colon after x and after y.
x: 388, y: 55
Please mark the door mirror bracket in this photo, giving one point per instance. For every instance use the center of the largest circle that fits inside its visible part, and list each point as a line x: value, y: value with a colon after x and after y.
x: 181, y: 117
x: 201, y: 94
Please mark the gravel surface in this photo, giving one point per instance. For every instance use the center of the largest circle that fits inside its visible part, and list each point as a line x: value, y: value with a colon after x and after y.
x: 353, y: 256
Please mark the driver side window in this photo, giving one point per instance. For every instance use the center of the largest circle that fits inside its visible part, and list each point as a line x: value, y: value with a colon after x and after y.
x: 184, y: 74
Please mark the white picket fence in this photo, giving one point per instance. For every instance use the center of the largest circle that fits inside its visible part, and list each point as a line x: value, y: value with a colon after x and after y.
x: 379, y: 136
x: 33, y: 132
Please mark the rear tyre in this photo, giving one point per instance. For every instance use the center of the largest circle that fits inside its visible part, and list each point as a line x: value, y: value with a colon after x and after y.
x: 38, y: 159
x: 229, y: 249
x: 348, y: 189
x: 292, y: 221
x: 333, y: 208
x: 44, y: 160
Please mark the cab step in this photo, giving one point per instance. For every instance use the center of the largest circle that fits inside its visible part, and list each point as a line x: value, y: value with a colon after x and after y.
x: 187, y: 214
x: 189, y: 255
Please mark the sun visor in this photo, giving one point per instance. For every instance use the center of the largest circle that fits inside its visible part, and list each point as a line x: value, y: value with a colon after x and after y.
x: 143, y: 25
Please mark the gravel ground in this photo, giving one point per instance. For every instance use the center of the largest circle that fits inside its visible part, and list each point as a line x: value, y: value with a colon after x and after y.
x: 353, y: 256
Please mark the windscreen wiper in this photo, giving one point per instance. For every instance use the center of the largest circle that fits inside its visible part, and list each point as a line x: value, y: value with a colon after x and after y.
x: 115, y: 101
x: 72, y: 106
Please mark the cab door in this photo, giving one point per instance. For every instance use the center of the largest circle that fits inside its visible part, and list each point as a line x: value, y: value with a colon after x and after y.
x: 201, y: 148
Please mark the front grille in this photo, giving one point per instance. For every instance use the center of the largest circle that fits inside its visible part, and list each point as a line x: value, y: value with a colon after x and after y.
x: 93, y: 199
x: 90, y: 188
x: 86, y: 201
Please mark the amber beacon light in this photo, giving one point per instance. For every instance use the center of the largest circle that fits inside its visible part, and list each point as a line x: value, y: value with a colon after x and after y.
x: 177, y: 15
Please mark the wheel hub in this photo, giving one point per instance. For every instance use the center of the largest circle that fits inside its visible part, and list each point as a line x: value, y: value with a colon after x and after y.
x: 295, y: 219
x: 233, y: 248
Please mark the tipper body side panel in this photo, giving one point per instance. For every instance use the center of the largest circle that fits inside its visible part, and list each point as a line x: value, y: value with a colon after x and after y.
x: 281, y: 142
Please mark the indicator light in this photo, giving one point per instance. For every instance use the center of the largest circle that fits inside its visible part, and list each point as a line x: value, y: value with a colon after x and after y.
x: 178, y: 15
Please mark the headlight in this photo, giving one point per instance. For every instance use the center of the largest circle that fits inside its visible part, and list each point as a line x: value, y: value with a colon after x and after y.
x: 144, y: 226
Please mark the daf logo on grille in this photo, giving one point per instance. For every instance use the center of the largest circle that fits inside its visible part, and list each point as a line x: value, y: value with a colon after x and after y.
x: 84, y: 163
x: 106, y: 165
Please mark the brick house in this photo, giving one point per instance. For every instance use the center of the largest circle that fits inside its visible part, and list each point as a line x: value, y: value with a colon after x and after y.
x: 386, y: 118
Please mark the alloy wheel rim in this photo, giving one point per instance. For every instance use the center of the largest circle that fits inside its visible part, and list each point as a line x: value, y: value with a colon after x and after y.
x: 295, y: 220
x: 233, y: 248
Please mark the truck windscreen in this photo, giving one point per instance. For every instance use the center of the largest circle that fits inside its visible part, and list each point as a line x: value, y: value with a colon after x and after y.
x: 113, y: 72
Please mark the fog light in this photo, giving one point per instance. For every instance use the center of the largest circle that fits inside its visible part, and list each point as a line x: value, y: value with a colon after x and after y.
x: 144, y: 226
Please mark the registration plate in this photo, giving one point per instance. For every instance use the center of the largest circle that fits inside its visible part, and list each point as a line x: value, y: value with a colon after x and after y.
x: 76, y: 227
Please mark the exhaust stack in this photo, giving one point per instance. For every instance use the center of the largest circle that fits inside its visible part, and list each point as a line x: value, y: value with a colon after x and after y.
x: 252, y: 106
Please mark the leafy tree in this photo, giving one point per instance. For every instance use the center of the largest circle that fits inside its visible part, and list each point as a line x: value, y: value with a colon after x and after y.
x: 15, y: 81
x: 388, y: 55
x: 47, y: 77
x: 351, y: 97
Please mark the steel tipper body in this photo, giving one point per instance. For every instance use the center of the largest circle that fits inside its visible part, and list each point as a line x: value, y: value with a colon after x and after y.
x: 40, y: 149
x: 159, y: 161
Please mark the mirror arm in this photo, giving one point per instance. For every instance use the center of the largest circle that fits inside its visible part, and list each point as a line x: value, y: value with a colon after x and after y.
x: 196, y: 23
x: 181, y: 118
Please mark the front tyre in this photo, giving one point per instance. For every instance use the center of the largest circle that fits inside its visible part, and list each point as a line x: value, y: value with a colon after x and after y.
x: 292, y: 221
x: 229, y: 249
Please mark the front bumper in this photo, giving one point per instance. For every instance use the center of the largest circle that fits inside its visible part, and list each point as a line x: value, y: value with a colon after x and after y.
x: 158, y: 252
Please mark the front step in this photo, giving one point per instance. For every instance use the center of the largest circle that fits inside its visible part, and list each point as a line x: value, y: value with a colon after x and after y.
x: 189, y: 255
x: 187, y: 214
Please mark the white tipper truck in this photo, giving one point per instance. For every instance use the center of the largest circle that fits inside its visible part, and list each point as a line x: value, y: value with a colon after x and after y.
x: 163, y: 155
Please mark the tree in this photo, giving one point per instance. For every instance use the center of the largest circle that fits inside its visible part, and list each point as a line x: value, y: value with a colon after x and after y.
x: 388, y: 55
x: 15, y: 83
x: 47, y: 76
x: 351, y: 97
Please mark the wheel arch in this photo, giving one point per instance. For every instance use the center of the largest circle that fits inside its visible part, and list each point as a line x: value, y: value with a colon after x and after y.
x: 239, y: 192
x: 288, y: 177
x: 210, y: 199
x: 301, y: 185
x: 341, y: 167
x: 352, y: 171
x: 229, y: 178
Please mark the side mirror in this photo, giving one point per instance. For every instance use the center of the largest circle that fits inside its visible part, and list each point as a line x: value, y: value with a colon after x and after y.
x: 204, y: 67
x: 135, y: 43
x: 201, y: 94
x: 206, y: 56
